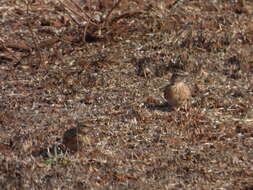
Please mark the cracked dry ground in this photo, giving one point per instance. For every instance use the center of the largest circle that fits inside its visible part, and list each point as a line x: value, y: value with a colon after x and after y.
x: 114, y: 87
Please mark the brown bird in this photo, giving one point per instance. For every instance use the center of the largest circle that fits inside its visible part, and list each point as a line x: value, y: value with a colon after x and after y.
x: 76, y: 138
x: 177, y: 93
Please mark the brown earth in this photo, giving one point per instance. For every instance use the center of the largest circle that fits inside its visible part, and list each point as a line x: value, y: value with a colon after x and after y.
x: 59, y: 75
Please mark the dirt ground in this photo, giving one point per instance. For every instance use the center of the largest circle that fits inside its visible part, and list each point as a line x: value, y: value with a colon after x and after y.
x: 96, y: 70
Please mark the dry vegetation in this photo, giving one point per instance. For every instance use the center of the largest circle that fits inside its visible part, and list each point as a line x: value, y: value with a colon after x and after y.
x: 99, y: 67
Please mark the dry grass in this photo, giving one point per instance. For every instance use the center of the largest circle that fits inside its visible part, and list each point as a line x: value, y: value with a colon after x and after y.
x: 68, y: 63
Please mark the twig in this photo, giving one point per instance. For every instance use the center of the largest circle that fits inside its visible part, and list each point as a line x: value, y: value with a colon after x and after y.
x: 34, y: 37
x: 124, y: 15
x: 86, y: 17
x: 110, y: 11
x: 35, y: 41
x: 11, y: 53
x: 64, y: 7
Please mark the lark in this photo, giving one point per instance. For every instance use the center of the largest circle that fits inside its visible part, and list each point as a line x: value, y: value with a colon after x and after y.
x: 76, y: 138
x: 177, y: 93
